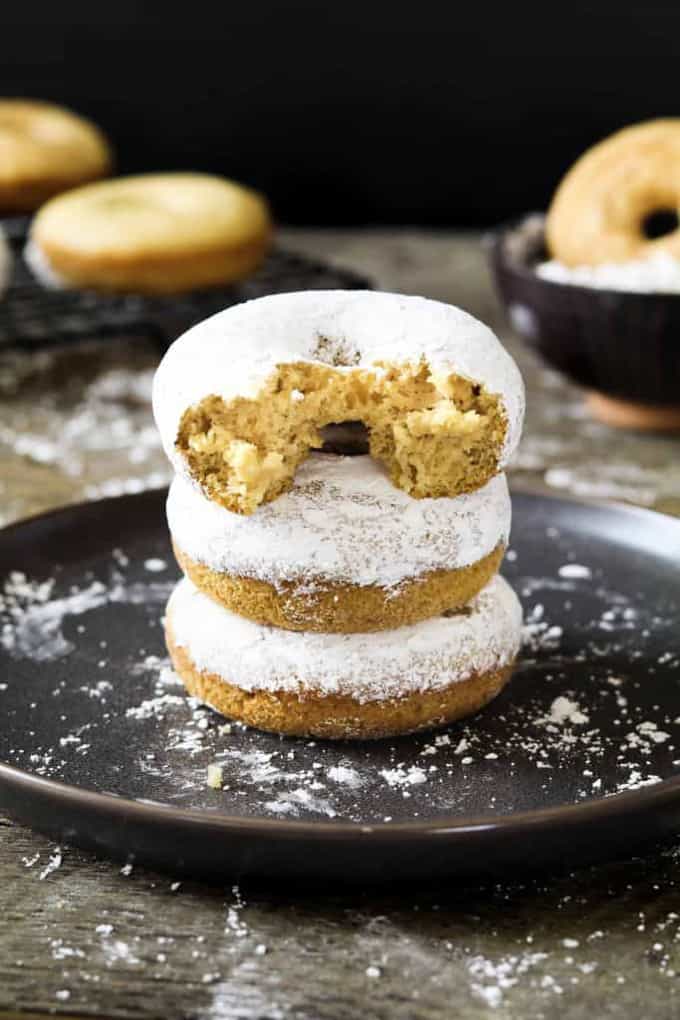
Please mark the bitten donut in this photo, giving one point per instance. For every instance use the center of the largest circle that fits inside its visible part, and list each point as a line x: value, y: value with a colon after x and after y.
x: 343, y: 550
x: 602, y: 208
x: 45, y: 149
x: 150, y: 234
x: 345, y: 685
x: 241, y: 399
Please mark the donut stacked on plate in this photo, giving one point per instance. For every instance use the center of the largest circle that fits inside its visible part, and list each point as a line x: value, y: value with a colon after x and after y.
x: 354, y: 593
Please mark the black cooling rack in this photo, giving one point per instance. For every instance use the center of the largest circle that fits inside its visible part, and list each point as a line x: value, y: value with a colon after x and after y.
x: 33, y: 316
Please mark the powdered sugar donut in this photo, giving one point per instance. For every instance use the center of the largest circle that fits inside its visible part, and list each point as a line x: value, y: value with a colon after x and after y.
x: 241, y: 398
x: 345, y: 685
x: 343, y: 550
x: 6, y: 263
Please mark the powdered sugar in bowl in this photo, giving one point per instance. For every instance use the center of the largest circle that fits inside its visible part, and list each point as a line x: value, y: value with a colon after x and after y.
x: 615, y: 330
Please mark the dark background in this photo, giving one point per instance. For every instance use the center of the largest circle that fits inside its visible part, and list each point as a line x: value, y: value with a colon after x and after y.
x: 348, y: 112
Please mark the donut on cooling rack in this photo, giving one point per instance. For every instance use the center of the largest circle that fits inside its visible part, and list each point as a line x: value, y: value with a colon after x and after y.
x: 242, y: 398
x: 618, y: 196
x: 44, y: 150
x: 345, y: 685
x: 343, y: 550
x: 150, y: 234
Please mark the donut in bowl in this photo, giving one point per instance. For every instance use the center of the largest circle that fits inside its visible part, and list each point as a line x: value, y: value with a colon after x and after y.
x: 150, y: 234
x: 44, y: 150
x: 342, y: 686
x: 618, y: 196
x: 343, y: 551
x: 242, y: 398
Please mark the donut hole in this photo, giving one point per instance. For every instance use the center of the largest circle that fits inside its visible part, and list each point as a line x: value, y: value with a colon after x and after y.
x: 436, y: 435
x: 659, y: 223
x: 345, y: 439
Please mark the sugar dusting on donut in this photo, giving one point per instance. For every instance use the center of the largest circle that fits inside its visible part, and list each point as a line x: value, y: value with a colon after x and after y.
x: 42, y: 269
x: 368, y: 667
x: 432, y: 383
x: 344, y: 521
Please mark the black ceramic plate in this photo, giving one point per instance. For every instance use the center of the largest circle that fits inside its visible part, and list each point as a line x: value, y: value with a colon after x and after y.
x: 579, y: 757
x: 619, y: 343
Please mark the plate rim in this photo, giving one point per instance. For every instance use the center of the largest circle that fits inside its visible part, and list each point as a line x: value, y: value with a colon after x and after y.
x: 593, y: 810
x: 649, y: 798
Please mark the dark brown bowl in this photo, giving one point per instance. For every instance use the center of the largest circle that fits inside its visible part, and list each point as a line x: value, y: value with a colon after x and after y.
x: 623, y: 345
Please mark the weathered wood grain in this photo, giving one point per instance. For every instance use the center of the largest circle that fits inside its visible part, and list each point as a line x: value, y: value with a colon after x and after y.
x: 604, y: 942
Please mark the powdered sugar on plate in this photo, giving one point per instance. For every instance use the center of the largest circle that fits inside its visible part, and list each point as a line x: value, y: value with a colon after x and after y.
x: 89, y: 697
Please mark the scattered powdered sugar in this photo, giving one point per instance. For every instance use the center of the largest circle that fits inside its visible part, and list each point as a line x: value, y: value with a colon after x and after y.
x: 52, y: 865
x: 345, y: 774
x: 31, y: 620
x: 492, y: 979
x: 402, y: 776
x: 155, y: 565
x: 75, y: 424
x: 537, y: 633
x: 575, y: 570
x: 156, y: 707
x: 305, y: 798
x: 595, y: 739
x: 31, y: 626
x: 564, y: 710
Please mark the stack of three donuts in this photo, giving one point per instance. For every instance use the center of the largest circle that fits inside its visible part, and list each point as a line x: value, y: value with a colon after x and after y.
x: 343, y: 606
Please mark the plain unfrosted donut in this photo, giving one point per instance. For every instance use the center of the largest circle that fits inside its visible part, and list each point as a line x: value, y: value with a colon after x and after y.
x: 44, y: 150
x: 150, y: 233
x: 599, y: 210
x: 240, y: 399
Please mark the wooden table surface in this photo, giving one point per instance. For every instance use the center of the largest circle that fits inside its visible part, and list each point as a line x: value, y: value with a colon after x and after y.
x: 80, y: 938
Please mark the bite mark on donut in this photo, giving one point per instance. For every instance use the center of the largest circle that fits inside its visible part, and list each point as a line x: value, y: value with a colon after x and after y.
x: 437, y: 435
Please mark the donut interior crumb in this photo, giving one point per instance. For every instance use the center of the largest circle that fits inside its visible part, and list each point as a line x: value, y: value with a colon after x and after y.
x: 437, y: 435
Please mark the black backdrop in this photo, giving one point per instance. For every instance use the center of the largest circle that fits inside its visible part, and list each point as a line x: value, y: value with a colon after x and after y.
x: 350, y: 112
